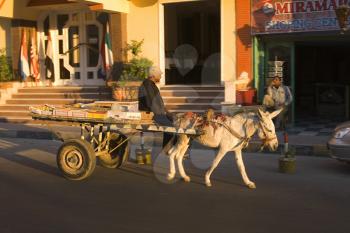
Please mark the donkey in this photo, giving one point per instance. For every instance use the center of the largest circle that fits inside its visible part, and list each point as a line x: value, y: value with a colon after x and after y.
x: 226, y: 134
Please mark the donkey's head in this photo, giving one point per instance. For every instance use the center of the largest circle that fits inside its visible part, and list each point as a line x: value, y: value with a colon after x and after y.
x: 266, y: 129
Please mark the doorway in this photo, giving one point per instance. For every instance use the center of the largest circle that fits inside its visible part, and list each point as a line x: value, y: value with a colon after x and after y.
x: 75, y: 38
x: 192, y: 43
x: 322, y: 79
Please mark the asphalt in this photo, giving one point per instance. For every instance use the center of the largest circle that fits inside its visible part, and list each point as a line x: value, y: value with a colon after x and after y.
x: 302, y: 144
x: 138, y: 199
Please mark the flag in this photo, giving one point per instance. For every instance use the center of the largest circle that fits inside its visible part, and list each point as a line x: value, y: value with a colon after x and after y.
x: 50, y: 72
x: 106, y: 54
x: 24, y: 64
x: 34, y: 60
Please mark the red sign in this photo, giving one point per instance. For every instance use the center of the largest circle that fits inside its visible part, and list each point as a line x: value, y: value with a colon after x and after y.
x: 282, y: 16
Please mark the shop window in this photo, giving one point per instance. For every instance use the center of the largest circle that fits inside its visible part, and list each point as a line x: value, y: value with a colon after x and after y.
x: 282, y: 68
x: 90, y: 75
x: 93, y: 45
x: 60, y: 46
x: 77, y: 75
x: 61, y: 22
x: 47, y: 26
x: 64, y: 73
x: 74, y: 51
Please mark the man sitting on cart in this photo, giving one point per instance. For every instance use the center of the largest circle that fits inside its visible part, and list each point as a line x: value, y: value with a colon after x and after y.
x: 150, y: 100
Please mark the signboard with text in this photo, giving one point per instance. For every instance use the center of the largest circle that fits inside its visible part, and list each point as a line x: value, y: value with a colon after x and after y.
x: 283, y: 16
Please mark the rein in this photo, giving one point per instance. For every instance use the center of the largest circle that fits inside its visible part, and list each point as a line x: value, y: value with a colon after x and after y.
x: 244, y: 140
x: 266, y: 139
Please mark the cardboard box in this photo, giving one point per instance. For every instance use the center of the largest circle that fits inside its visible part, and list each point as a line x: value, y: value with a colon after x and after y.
x: 64, y: 112
x: 124, y: 115
x: 97, y: 114
x: 78, y: 113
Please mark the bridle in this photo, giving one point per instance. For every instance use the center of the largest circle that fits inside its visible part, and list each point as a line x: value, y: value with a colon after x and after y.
x: 263, y: 128
x: 244, y: 140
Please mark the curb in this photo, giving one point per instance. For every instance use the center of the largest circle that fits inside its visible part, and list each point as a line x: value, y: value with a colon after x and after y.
x: 318, y: 150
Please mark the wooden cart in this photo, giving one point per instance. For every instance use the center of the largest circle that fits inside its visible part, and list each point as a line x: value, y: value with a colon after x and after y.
x: 105, y: 139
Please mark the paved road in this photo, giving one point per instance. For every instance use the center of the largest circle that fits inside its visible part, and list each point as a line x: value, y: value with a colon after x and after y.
x: 35, y: 198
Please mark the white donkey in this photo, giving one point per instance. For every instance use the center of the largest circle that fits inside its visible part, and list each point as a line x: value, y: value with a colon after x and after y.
x: 226, y: 134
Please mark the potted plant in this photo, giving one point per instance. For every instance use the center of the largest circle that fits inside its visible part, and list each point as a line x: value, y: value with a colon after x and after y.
x: 132, y: 73
x: 287, y: 162
x: 5, y: 70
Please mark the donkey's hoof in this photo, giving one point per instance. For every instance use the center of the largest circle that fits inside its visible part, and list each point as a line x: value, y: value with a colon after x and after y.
x: 208, y: 184
x: 187, y: 179
x: 170, y: 177
x: 251, y: 185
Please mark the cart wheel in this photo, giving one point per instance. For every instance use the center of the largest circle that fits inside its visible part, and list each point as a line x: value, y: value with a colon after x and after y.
x: 76, y: 159
x: 118, y: 156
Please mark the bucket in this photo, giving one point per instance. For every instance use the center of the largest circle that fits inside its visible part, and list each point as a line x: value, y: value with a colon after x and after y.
x: 139, y: 156
x: 287, y: 165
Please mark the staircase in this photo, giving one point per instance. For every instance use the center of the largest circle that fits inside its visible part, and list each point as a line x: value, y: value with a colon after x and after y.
x: 194, y: 98
x: 16, y: 109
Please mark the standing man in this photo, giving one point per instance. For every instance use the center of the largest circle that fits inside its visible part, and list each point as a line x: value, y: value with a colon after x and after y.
x: 150, y: 100
x: 278, y: 96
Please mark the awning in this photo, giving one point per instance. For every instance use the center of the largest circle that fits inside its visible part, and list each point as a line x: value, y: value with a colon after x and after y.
x: 95, y: 5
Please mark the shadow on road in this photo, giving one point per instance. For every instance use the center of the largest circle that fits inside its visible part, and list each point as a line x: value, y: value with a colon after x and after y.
x: 35, y: 164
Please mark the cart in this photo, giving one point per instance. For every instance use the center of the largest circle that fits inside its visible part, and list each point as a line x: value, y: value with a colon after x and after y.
x: 102, y: 138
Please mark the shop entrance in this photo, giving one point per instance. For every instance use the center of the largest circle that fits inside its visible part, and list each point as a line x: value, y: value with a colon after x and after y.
x: 322, y: 80
x: 192, y: 42
x: 75, y: 38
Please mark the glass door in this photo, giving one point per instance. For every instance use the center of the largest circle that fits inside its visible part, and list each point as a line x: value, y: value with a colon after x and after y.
x: 280, y: 61
x: 75, y: 39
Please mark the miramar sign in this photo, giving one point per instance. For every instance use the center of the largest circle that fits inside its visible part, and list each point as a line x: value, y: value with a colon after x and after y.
x: 283, y: 16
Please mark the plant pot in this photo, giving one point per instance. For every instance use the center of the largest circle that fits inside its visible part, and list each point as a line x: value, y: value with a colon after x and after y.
x: 126, y: 91
x: 118, y: 93
x: 132, y: 83
x: 287, y: 165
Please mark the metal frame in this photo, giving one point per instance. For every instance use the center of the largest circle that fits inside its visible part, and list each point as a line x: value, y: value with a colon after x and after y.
x: 101, y: 141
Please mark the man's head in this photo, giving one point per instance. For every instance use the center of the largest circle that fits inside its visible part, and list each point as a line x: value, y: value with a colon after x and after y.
x: 154, y: 74
x: 277, y: 81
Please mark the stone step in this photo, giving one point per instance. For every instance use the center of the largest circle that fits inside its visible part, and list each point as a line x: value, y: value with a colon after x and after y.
x: 64, y: 90
x: 22, y: 120
x: 48, y: 101
x: 192, y: 93
x: 14, y: 113
x: 15, y: 107
x: 29, y: 120
x: 72, y: 95
x: 182, y: 100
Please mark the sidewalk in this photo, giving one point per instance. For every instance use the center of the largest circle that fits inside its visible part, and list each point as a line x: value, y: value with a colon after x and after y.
x: 304, y: 144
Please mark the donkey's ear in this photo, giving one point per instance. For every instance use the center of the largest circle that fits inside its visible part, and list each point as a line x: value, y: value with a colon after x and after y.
x: 275, y: 113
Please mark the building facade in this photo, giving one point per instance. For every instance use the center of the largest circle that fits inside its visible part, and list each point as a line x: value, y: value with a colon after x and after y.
x: 192, y: 41
x: 301, y: 42
x: 74, y: 29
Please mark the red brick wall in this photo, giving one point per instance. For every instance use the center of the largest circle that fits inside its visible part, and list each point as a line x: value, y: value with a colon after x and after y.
x: 244, y: 38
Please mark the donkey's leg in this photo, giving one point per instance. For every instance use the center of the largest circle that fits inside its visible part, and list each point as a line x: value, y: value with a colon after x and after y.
x: 218, y: 157
x: 172, y: 171
x: 180, y: 157
x: 241, y: 168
